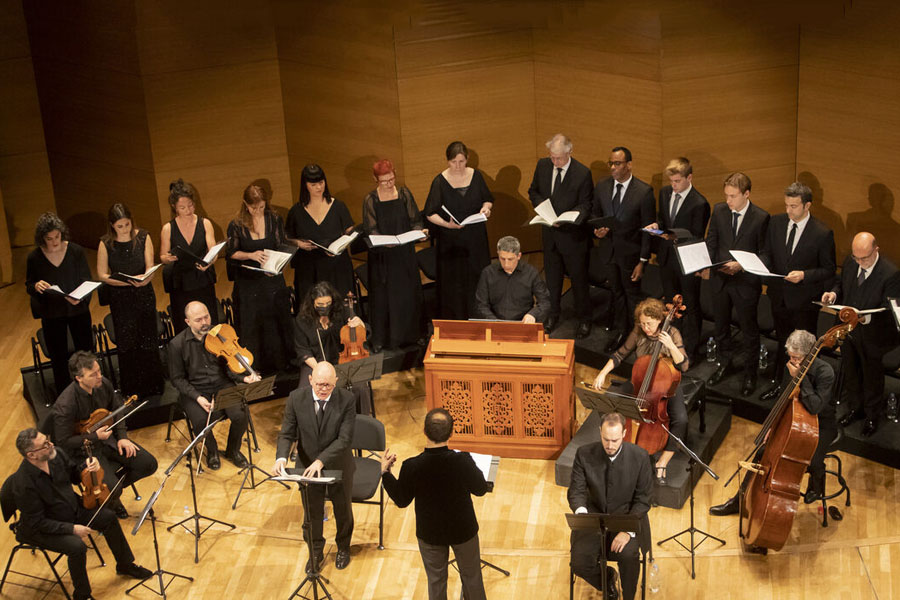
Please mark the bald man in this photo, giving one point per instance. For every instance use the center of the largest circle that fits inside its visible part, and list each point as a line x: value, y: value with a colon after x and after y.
x: 320, y: 418
x: 867, y: 280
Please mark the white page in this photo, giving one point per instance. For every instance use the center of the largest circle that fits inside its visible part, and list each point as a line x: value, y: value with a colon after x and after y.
x: 213, y: 252
x: 539, y: 220
x: 275, y: 261
x: 694, y: 257
x: 413, y: 235
x: 478, y: 217
x: 483, y: 462
x: 570, y: 216
x: 338, y: 245
x: 84, y: 289
x: 151, y: 271
x: 546, y: 212
x: 383, y: 240
x: 836, y: 308
x: 752, y: 264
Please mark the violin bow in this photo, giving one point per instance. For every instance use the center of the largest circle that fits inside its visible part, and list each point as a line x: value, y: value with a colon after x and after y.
x: 102, y: 504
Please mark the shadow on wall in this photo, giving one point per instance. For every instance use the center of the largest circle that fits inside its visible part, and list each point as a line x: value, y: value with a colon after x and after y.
x: 86, y: 228
x: 878, y: 221
x: 830, y: 217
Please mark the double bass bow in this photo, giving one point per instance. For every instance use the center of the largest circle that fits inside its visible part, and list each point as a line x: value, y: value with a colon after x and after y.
x: 790, y: 435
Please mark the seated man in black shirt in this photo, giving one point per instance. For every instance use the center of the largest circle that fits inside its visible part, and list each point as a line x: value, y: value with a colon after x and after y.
x: 90, y: 391
x: 510, y: 290
x: 52, y: 515
x: 199, y: 375
x: 441, y: 482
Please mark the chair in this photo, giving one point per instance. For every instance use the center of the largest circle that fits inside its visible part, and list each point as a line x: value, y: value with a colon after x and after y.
x: 368, y: 434
x: 39, y: 347
x: 838, y: 474
x: 646, y: 550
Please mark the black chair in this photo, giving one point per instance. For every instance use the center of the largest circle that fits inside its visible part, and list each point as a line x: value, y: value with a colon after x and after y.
x: 9, y: 509
x: 646, y: 550
x: 838, y: 473
x: 368, y: 435
x: 39, y: 348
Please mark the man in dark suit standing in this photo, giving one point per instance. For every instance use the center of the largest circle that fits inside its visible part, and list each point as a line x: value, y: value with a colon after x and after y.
x: 867, y: 280
x: 320, y: 419
x: 567, y: 183
x: 801, y: 247
x: 631, y: 202
x: 736, y: 224
x: 681, y: 206
x: 610, y: 476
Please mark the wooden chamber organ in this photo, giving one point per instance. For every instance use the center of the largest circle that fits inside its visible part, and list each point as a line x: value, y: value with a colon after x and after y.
x: 507, y: 385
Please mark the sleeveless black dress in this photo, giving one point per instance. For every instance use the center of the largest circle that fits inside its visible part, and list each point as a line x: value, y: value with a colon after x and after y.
x: 188, y: 282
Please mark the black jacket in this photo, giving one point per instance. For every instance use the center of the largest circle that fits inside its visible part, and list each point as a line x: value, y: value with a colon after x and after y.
x: 574, y: 194
x: 636, y: 211
x: 720, y: 241
x: 813, y: 254
x: 693, y: 215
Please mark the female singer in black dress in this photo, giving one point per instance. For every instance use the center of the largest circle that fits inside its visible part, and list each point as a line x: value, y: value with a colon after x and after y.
x: 462, y: 252
x: 129, y: 250
x: 185, y: 279
x: 320, y: 218
x: 395, y: 289
x: 262, y: 303
x: 57, y: 261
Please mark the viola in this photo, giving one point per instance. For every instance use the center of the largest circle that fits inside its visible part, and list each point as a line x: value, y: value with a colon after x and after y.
x: 95, y: 491
x: 222, y: 340
x: 790, y: 435
x: 352, y: 338
x: 100, y: 417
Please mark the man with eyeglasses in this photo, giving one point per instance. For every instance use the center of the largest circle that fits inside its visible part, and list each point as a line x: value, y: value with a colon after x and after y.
x: 52, y: 515
x: 320, y: 418
x: 867, y: 281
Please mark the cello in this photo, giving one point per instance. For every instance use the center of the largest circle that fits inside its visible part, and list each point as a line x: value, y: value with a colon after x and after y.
x: 790, y: 435
x: 352, y: 338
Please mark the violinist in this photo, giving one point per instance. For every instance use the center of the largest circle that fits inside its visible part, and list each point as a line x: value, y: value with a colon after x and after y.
x: 649, y: 315
x: 198, y: 375
x: 89, y: 392
x: 53, y: 516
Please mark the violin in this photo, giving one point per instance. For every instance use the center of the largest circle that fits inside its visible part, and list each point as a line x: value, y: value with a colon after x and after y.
x: 100, y: 417
x: 95, y: 491
x: 222, y: 340
x: 655, y: 380
x: 352, y: 338
x: 790, y: 435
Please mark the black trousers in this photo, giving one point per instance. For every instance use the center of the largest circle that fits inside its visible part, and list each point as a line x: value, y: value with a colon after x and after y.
x: 626, y: 295
x: 340, y: 495
x: 586, y: 553
x: 198, y: 417
x: 76, y: 551
x: 745, y: 305
x: 786, y: 321
x: 556, y: 264
x: 688, y: 286
x: 827, y: 432
x: 55, y: 335
x: 863, y: 376
x: 143, y: 464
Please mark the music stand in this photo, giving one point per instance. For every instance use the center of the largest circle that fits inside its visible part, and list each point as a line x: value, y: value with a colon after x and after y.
x: 360, y: 372
x: 693, y: 459
x: 604, y: 523
x: 605, y: 402
x: 159, y: 572
x: 196, y: 532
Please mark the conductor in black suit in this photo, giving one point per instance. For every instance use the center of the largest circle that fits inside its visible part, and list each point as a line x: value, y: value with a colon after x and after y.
x: 867, y: 280
x: 736, y: 224
x: 801, y: 247
x: 320, y: 419
x: 567, y: 183
x: 681, y: 206
x: 631, y: 202
x: 610, y: 476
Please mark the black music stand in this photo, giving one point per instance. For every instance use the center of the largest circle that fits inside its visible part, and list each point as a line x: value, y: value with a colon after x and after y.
x: 604, y: 523
x: 607, y: 401
x: 360, y: 372
x: 159, y: 572
x: 196, y: 532
x: 693, y: 459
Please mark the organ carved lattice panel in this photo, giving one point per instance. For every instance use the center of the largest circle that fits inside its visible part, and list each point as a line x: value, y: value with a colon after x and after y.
x: 538, y: 410
x: 497, y: 408
x: 456, y: 398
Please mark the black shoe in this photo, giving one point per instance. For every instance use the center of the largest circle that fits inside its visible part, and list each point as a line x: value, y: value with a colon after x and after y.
x: 748, y: 386
x: 755, y: 549
x: 660, y: 475
x: 772, y: 393
x: 729, y: 507
x: 342, y: 559
x: 134, y: 571
x: 551, y: 323
x: 212, y: 459
x: 869, y: 427
x: 119, y: 509
x: 320, y: 560
x: 851, y: 417
x: 584, y: 330
x: 718, y: 375
x: 615, y: 342
x: 377, y: 349
x: 612, y: 592
x: 811, y: 496
x: 238, y: 459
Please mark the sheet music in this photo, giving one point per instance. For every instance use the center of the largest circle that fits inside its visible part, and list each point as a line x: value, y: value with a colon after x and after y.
x: 694, y: 257
x: 752, y: 264
x: 213, y: 252
x: 836, y: 308
x: 82, y: 290
x: 487, y: 464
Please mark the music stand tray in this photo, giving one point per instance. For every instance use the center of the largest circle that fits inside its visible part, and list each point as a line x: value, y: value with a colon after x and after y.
x: 605, y: 403
x: 361, y: 370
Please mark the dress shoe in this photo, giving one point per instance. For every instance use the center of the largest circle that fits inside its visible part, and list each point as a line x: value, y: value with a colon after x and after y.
x: 811, y: 496
x: 119, y: 509
x: 718, y: 375
x: 584, y: 330
x: 550, y: 323
x: 869, y: 427
x: 134, y: 571
x: 730, y: 507
x: 748, y: 386
x: 612, y: 591
x: 772, y: 393
x: 755, y: 549
x: 851, y: 417
x: 660, y: 475
x: 342, y: 559
x: 212, y: 459
x: 238, y: 459
x: 615, y: 342
x: 320, y: 559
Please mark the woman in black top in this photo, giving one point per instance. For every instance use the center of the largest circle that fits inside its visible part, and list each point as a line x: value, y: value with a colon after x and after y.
x: 262, y: 302
x: 57, y: 261
x: 462, y: 252
x: 185, y: 279
x: 129, y: 250
x: 320, y: 218
x: 395, y: 289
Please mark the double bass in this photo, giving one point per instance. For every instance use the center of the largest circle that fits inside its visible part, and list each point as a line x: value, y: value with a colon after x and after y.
x: 790, y: 435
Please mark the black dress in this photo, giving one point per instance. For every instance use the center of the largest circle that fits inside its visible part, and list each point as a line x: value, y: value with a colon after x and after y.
x: 57, y: 316
x: 188, y: 283
x: 262, y: 303
x: 133, y: 311
x: 313, y: 266
x: 395, y: 289
x: 461, y: 253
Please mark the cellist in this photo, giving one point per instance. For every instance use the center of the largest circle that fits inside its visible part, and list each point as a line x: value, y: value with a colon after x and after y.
x: 649, y: 316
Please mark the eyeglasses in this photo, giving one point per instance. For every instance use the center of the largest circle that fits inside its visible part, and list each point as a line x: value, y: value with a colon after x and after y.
x: 324, y: 385
x: 387, y: 181
x: 616, y: 163
x: 46, y: 445
x: 860, y: 259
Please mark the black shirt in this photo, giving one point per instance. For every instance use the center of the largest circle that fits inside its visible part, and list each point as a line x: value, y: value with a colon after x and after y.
x: 441, y: 482
x: 307, y: 336
x: 194, y: 371
x: 47, y: 503
x: 75, y: 404
x: 511, y: 296
x: 71, y: 272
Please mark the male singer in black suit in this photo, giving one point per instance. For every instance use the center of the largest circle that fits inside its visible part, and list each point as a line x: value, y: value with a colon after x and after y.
x: 442, y: 482
x: 736, y: 224
x: 567, y: 183
x: 631, y: 202
x: 320, y: 418
x: 801, y: 247
x: 867, y: 280
x: 681, y: 206
x: 610, y: 476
